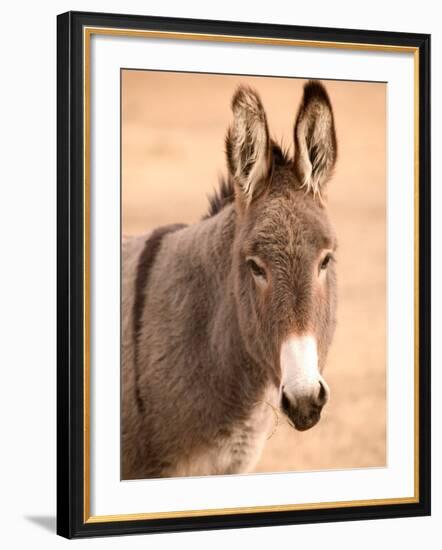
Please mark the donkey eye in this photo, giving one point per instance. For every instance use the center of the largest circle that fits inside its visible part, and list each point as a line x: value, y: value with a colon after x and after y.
x: 324, y: 264
x: 256, y: 269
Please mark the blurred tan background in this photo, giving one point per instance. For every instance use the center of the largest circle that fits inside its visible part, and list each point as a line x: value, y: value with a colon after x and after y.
x: 173, y: 128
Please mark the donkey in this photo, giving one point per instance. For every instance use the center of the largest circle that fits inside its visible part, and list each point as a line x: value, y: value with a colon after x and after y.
x: 230, y: 319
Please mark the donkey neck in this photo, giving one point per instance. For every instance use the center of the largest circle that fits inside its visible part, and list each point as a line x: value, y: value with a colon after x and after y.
x: 245, y: 379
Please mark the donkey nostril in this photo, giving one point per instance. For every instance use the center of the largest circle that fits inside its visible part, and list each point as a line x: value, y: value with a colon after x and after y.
x: 285, y: 403
x: 323, y: 394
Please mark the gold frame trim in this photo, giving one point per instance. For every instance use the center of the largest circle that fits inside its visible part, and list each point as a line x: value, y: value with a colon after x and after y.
x: 87, y: 33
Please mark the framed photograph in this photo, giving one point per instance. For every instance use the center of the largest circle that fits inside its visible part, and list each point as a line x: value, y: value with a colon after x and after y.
x: 243, y: 274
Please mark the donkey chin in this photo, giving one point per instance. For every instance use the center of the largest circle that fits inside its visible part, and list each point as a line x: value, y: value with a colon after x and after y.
x: 304, y: 391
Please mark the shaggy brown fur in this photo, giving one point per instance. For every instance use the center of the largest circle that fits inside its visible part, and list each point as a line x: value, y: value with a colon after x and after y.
x: 145, y: 262
x: 220, y: 298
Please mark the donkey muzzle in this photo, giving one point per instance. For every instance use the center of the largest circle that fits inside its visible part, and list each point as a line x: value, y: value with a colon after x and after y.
x: 304, y: 390
x: 305, y: 412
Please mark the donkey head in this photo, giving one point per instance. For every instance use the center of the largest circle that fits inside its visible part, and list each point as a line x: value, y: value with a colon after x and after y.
x: 283, y: 258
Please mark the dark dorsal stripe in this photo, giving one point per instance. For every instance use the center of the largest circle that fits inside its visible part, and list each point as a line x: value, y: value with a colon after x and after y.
x: 144, y: 267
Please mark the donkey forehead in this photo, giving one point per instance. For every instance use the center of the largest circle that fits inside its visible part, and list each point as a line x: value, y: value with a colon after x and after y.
x: 294, y: 225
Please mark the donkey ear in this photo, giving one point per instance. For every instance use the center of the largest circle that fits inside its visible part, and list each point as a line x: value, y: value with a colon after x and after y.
x: 248, y: 145
x: 315, y: 138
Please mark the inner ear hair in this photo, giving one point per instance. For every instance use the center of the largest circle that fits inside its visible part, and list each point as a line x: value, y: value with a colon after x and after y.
x: 315, y: 138
x: 248, y: 145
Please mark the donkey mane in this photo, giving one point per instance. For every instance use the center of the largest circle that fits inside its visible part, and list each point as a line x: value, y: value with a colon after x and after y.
x: 221, y: 197
x: 225, y: 194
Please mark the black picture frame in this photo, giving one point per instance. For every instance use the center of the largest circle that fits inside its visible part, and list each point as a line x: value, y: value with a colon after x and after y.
x: 71, y: 518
